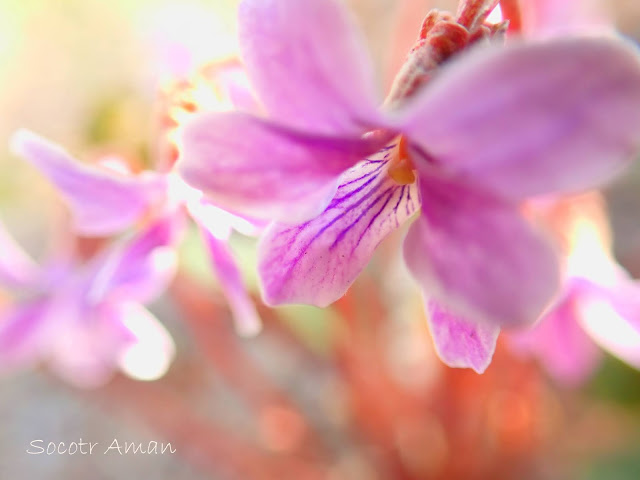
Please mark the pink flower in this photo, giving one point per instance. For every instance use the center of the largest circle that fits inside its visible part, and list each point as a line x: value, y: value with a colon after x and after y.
x: 600, y: 303
x: 467, y: 134
x: 544, y: 17
x: 84, y: 320
x: 106, y: 201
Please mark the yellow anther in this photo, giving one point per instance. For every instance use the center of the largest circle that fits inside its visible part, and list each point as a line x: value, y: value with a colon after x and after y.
x: 400, y: 167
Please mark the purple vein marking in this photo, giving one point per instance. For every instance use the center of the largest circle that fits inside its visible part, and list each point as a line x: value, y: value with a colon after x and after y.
x: 395, y: 208
x: 409, y: 200
x: 344, y: 231
x: 338, y: 200
x: 304, y: 249
x: 368, y: 174
x: 392, y: 191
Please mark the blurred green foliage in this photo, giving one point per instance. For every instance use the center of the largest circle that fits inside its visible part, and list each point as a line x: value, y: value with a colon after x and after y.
x: 618, y: 383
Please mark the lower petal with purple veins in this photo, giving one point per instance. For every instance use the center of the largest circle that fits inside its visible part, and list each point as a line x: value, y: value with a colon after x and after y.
x: 315, y: 262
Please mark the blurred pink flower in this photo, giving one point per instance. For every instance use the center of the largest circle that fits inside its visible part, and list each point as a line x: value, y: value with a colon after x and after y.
x: 544, y: 17
x: 597, y: 305
x: 84, y: 320
x: 600, y: 303
x: 466, y: 134
x: 106, y: 201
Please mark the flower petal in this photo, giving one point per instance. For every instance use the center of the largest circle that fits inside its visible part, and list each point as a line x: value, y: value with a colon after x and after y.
x: 21, y: 333
x: 459, y: 342
x: 151, y: 350
x: 85, y: 348
x: 249, y: 166
x: 139, y: 268
x: 611, y: 316
x: 230, y: 76
x: 244, y: 312
x: 560, y: 344
x: 17, y: 269
x: 102, y: 202
x: 315, y: 262
x: 544, y: 17
x: 533, y: 118
x: 475, y: 255
x: 221, y: 223
x: 309, y: 65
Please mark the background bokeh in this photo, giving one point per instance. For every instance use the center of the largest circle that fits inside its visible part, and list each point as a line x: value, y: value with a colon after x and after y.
x: 351, y: 392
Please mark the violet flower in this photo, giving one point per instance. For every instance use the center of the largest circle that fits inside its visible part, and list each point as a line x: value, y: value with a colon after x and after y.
x: 84, y: 320
x: 600, y: 302
x: 105, y: 202
x: 466, y: 135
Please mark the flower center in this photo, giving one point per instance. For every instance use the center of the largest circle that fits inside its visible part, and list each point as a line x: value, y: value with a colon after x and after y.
x: 210, y: 89
x: 400, y: 166
x: 442, y: 36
